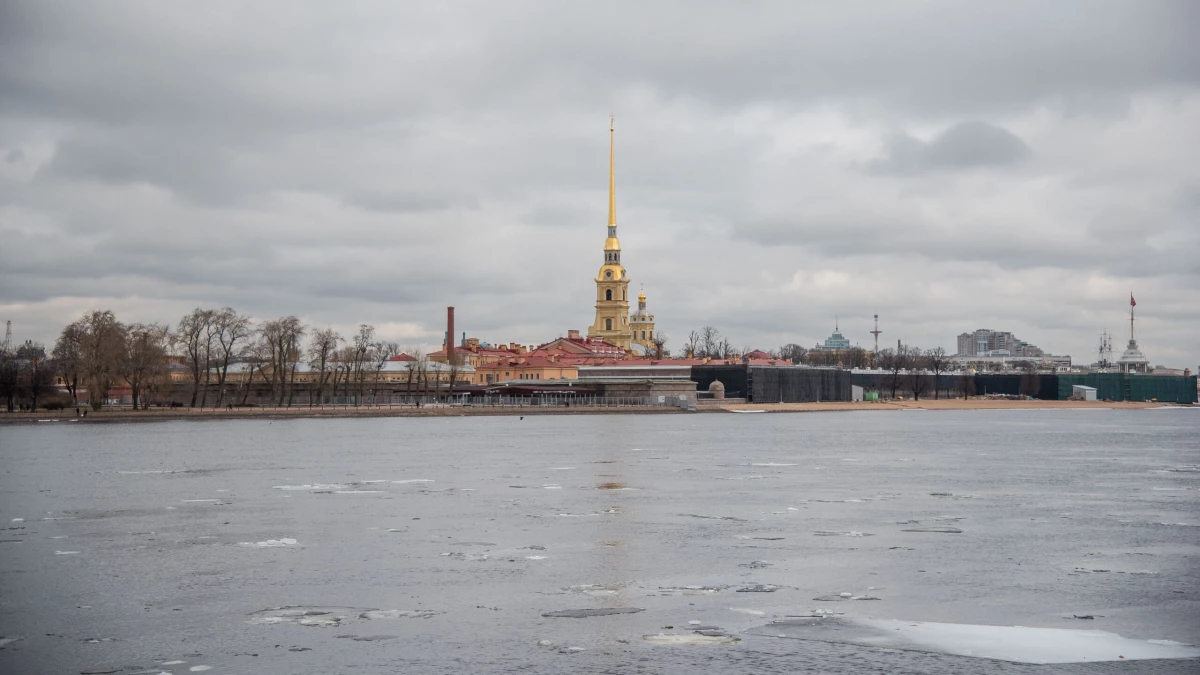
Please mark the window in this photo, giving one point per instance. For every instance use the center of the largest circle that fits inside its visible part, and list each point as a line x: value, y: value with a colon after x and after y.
x: 608, y: 324
x: 624, y: 294
x: 643, y: 335
x: 608, y: 294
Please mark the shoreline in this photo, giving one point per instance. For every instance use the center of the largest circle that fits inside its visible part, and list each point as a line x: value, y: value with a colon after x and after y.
x: 304, y: 412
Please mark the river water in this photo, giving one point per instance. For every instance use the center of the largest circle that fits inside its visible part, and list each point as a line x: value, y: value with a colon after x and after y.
x: 438, y: 544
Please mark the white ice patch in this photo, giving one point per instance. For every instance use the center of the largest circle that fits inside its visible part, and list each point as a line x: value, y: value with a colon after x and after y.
x: 691, y: 638
x: 412, y: 480
x: 359, y: 492
x: 313, y: 486
x: 18, y: 520
x: 397, y: 614
x: 66, y: 553
x: 199, y: 669
x: 270, y: 543
x: 743, y: 610
x: 535, y: 557
x: 1019, y: 644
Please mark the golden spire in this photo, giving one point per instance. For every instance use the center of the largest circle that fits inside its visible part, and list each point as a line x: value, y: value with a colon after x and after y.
x: 612, y: 176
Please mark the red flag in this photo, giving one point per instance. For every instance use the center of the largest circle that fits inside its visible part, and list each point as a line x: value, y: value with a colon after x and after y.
x: 1132, y: 302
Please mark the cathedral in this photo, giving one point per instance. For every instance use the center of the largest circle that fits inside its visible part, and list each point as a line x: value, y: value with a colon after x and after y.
x: 613, y: 323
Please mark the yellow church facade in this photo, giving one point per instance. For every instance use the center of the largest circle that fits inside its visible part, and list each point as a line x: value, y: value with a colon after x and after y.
x: 613, y: 323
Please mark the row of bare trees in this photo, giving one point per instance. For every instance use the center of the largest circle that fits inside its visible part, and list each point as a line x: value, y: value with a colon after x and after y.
x: 217, y: 348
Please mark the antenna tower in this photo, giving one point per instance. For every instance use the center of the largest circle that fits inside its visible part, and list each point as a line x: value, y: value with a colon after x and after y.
x: 7, y: 335
x: 876, y: 333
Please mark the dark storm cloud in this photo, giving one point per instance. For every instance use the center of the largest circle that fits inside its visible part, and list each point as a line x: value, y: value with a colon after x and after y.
x: 965, y: 145
x: 378, y: 162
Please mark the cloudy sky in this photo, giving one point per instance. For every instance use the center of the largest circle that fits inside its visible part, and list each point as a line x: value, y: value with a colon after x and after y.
x: 948, y: 165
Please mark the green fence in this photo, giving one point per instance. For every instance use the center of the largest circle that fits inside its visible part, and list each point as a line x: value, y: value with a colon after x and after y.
x: 1122, y: 387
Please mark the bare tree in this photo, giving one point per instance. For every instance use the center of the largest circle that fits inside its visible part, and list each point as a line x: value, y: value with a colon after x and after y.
x: 144, y: 358
x: 710, y: 342
x: 321, y: 358
x: 379, y: 355
x: 230, y: 329
x: 282, y: 338
x: 918, y: 378
x: 691, y: 348
x: 36, y: 371
x: 895, y: 362
x: 103, y: 345
x: 793, y: 352
x: 660, y: 342
x: 194, y: 337
x: 937, y: 361
x: 10, y: 377
x: 68, y: 355
x: 359, y: 352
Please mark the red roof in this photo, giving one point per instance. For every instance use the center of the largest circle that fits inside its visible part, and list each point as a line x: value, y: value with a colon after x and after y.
x: 402, y: 357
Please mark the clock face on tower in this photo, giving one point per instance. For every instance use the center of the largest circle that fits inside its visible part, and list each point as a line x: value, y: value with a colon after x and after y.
x: 608, y: 274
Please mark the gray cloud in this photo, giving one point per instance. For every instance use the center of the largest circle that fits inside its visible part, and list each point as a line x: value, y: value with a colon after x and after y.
x: 378, y: 164
x: 965, y: 145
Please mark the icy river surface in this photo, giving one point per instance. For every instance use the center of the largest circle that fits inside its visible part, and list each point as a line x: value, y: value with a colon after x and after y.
x: 902, y: 542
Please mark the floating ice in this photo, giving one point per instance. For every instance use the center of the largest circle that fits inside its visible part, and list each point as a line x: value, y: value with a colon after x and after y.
x: 690, y: 639
x: 18, y: 520
x: 368, y: 638
x: 314, y: 486
x: 759, y: 588
x: 771, y: 464
x: 200, y: 501
x: 270, y: 543
x: 585, y: 613
x: 535, y: 557
x: 412, y: 480
x: 594, y: 590
x: 66, y: 553
x: 199, y: 669
x: 743, y: 610
x: 397, y: 614
x: 740, y: 477
x: 942, y: 530
x: 696, y: 515
x: 692, y: 590
x: 851, y: 533
x: 359, y: 492
x: 304, y: 616
x: 1006, y: 643
x: 172, y: 663
x: 9, y: 640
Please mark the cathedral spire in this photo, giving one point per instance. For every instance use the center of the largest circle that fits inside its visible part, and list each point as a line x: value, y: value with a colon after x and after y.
x: 612, y: 174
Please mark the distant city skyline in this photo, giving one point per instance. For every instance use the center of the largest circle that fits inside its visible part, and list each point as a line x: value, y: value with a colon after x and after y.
x: 944, y: 165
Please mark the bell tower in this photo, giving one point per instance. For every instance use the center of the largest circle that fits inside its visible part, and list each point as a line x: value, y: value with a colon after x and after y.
x: 642, y: 323
x: 612, y: 288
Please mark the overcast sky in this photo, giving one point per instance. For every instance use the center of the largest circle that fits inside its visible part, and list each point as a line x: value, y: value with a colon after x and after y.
x: 1019, y: 166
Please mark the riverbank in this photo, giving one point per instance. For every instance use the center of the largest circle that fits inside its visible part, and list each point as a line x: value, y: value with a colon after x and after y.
x: 296, y: 412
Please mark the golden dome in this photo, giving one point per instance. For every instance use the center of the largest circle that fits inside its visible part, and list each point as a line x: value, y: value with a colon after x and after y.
x: 642, y: 296
x: 612, y: 244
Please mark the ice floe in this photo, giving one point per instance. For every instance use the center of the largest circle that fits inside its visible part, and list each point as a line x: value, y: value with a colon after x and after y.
x: 850, y: 533
x: 66, y: 553
x: 320, y: 617
x: 590, y: 612
x: 1019, y: 644
x: 376, y: 614
x: 690, y: 639
x: 270, y: 543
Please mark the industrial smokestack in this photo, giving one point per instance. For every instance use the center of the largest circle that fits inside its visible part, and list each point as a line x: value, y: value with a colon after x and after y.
x: 450, y: 336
